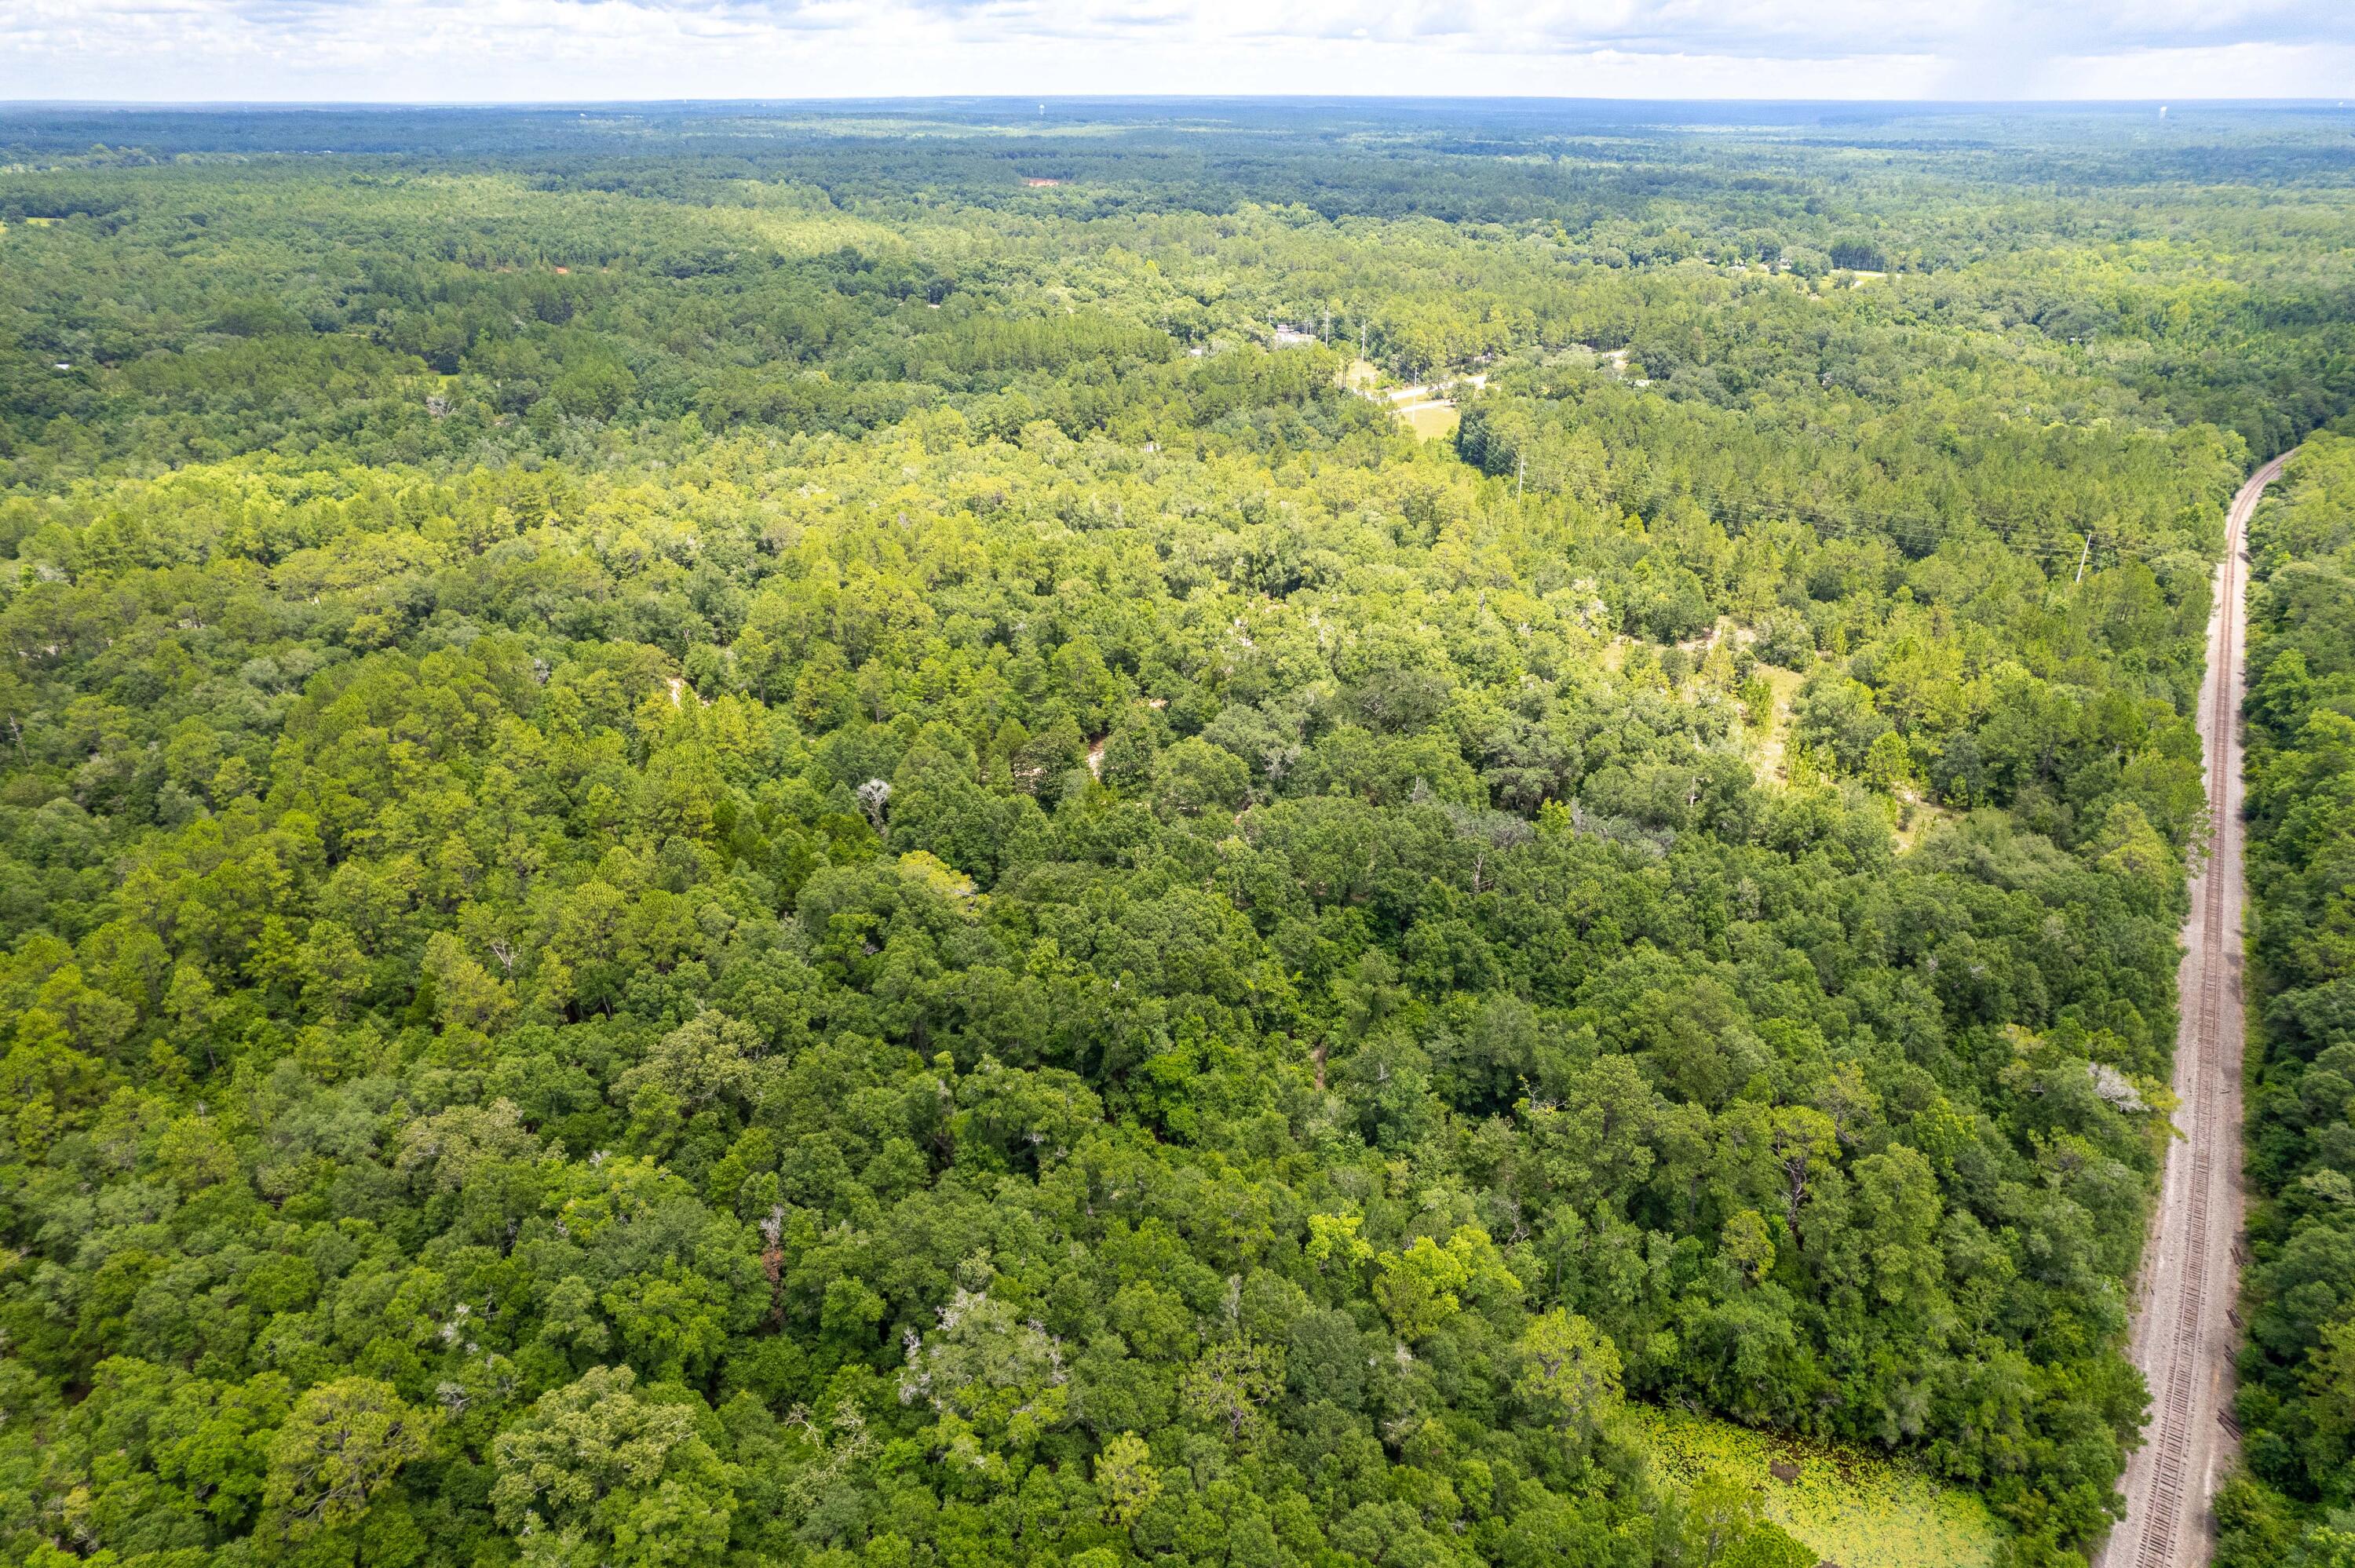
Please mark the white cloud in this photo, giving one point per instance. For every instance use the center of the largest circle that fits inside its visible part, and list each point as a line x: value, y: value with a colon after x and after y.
x: 446, y: 50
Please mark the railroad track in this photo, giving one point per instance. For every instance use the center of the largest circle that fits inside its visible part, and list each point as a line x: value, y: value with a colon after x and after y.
x: 2184, y: 1337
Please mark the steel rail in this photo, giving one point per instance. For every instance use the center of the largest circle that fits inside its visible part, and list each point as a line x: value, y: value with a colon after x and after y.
x: 2183, y: 1338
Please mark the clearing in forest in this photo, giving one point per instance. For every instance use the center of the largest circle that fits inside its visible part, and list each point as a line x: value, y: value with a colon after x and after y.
x: 1431, y: 420
x: 1769, y: 745
x: 1850, y: 1507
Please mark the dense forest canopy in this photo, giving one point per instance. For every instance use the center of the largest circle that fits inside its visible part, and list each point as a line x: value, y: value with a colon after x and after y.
x: 732, y: 837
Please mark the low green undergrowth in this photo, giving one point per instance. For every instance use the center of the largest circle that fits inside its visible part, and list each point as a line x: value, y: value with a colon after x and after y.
x: 1854, y: 1508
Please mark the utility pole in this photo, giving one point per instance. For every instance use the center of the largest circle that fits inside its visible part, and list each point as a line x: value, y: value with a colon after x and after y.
x: 1520, y: 472
x: 2083, y: 555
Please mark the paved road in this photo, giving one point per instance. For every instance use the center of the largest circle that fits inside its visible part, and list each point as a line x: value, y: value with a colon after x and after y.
x: 2183, y: 1338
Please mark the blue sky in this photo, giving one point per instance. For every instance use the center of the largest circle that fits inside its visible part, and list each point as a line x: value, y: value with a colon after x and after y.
x: 514, y: 50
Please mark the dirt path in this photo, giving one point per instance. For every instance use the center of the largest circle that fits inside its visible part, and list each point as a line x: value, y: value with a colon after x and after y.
x: 2183, y: 1338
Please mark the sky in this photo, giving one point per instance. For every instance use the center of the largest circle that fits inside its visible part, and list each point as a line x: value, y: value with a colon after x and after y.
x: 606, y: 50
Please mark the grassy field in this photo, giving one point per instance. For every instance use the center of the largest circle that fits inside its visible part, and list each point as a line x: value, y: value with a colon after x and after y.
x: 1850, y: 1507
x: 1429, y: 421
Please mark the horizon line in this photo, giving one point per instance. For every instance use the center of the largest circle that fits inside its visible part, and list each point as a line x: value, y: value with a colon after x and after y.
x: 829, y: 100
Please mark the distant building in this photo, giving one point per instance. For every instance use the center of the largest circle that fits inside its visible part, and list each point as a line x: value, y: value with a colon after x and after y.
x: 1040, y: 185
x: 1290, y: 336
